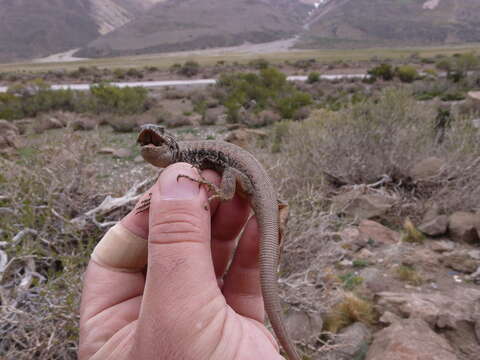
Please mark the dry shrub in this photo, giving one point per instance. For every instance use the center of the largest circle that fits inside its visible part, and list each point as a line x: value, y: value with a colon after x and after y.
x: 387, y: 135
x: 47, y: 184
x: 350, y: 310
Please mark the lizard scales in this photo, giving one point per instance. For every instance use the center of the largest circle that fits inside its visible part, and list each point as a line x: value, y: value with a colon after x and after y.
x: 219, y: 156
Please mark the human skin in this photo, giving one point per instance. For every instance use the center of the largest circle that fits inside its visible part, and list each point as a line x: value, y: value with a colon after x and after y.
x: 189, y: 304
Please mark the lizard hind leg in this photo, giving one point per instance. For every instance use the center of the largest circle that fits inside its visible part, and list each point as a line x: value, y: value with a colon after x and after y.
x: 226, y: 189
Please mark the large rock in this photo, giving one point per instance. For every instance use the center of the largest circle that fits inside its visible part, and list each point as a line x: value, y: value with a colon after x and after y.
x: 47, y: 122
x: 466, y: 261
x: 464, y: 226
x: 8, y: 135
x: 352, y: 342
x: 427, y: 168
x: 436, y: 226
x: 449, y: 310
x: 362, y: 206
x: 474, y: 98
x: 373, y: 231
x: 410, y: 339
x: 375, y: 280
x: 302, y: 325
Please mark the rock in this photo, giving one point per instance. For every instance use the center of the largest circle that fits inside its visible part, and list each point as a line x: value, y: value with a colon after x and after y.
x: 9, y: 138
x: 106, y: 151
x: 374, y: 280
x: 427, y: 168
x: 364, y: 254
x: 83, y: 124
x: 352, y: 342
x: 243, y: 137
x: 444, y: 310
x: 8, y: 126
x: 122, y: 153
x: 352, y: 239
x: 302, y: 325
x: 138, y: 159
x: 371, y: 230
x: 47, y: 122
x: 362, y: 206
x: 474, y: 97
x: 464, y: 226
x: 436, y: 226
x: 389, y: 318
x: 461, y: 260
x: 409, y: 339
x: 442, y: 246
x: 24, y: 125
x: 476, y: 123
x: 124, y: 124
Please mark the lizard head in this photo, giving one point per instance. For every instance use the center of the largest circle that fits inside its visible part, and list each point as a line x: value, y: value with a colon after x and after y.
x: 159, y: 148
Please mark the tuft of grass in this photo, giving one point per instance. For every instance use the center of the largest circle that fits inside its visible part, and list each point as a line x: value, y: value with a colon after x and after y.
x: 349, y: 310
x: 412, y: 234
x: 360, y: 263
x: 409, y: 275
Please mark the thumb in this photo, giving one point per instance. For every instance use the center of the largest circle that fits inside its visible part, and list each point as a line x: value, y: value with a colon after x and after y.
x: 181, y: 286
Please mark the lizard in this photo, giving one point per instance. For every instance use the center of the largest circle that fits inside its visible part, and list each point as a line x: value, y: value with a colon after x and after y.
x: 237, y: 166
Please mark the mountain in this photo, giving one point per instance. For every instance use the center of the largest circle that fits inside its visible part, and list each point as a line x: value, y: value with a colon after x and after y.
x: 363, y: 23
x: 35, y: 28
x: 176, y: 25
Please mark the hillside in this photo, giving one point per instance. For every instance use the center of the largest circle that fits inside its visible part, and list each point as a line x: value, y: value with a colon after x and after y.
x: 361, y: 23
x: 30, y: 29
x: 198, y: 24
x: 36, y: 28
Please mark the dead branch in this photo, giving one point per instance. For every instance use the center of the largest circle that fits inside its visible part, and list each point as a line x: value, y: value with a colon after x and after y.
x: 110, y: 204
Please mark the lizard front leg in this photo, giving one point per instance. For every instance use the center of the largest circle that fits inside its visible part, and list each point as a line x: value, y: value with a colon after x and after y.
x: 226, y: 190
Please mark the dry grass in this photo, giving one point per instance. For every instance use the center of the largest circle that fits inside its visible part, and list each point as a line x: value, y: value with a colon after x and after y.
x: 386, y: 135
x: 49, y: 183
x: 409, y: 275
x: 350, y: 310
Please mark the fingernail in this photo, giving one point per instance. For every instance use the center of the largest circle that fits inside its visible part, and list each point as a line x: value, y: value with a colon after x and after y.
x: 172, y: 187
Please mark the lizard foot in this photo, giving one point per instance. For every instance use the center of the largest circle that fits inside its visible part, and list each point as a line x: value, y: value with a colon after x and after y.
x: 212, y: 188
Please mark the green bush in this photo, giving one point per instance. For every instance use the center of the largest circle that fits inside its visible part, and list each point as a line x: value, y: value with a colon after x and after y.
x: 32, y: 99
x: 189, y: 69
x: 288, y: 105
x: 128, y: 100
x: 407, y: 73
x: 269, y: 89
x: 313, y: 77
x: 382, y: 71
x: 259, y: 64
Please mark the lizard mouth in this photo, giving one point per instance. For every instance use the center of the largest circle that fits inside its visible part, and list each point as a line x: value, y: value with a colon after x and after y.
x: 150, y: 137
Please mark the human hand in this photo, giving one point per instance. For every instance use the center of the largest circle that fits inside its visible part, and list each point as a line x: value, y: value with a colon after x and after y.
x: 187, y: 305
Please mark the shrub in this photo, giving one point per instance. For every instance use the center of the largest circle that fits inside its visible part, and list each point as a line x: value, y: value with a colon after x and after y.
x: 409, y: 275
x: 259, y: 64
x: 289, y: 105
x: 382, y: 71
x: 406, y: 73
x: 350, y: 310
x: 189, y: 68
x: 128, y: 100
x: 133, y: 72
x: 119, y: 73
x: 261, y: 91
x: 313, y: 77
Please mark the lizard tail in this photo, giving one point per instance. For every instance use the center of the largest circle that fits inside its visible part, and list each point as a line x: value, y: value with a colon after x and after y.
x: 268, y: 279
